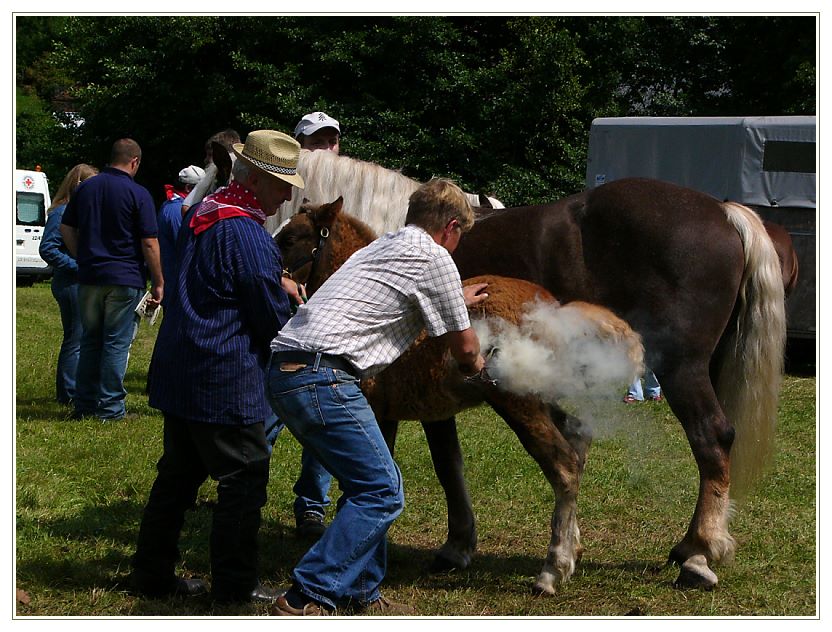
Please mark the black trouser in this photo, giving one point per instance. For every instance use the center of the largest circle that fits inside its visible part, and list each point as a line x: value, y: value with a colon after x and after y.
x: 237, y: 457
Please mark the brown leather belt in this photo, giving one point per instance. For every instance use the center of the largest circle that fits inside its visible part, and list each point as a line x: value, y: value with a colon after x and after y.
x: 311, y: 358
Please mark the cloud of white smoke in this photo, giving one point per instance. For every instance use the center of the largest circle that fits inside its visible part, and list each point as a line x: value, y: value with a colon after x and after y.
x: 557, y: 352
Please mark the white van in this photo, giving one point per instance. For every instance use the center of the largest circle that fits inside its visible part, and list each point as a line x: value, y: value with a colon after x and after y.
x: 32, y: 200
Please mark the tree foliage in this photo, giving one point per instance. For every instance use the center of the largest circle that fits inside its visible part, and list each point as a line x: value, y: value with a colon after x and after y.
x: 502, y: 104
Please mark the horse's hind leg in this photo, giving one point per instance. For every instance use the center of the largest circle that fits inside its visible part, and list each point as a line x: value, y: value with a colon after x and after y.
x: 691, y: 397
x: 389, y: 429
x: 562, y: 460
x: 444, y: 447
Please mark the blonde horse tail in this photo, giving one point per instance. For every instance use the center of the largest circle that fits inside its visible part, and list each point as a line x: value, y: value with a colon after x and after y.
x: 751, y: 369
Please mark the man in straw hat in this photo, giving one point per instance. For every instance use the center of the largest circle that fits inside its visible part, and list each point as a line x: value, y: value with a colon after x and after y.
x: 207, y: 376
x: 356, y: 324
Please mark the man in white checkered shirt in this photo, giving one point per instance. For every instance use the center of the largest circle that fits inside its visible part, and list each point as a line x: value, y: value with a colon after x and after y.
x: 357, y: 323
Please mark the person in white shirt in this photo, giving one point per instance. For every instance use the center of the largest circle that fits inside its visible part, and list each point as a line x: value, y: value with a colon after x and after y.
x: 357, y: 323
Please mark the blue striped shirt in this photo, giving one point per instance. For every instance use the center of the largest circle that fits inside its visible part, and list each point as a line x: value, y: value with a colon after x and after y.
x: 211, y: 353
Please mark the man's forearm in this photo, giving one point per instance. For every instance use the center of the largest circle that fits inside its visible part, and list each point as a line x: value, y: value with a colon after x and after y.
x: 150, y: 250
x: 465, y: 348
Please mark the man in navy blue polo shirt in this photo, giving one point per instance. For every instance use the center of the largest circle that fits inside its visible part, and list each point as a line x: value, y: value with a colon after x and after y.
x: 208, y: 375
x: 109, y: 226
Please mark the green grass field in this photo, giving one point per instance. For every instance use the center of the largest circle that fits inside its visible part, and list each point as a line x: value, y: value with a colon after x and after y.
x: 81, y: 487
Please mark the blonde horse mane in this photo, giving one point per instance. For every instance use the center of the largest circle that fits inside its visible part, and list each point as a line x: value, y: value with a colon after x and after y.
x: 748, y: 382
x: 375, y: 195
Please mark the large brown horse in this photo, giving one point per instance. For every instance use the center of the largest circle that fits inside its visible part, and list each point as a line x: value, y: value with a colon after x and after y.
x: 699, y: 280
x: 542, y: 352
x: 786, y: 253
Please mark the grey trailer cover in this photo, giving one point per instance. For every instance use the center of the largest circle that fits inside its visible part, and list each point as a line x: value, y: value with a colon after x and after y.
x: 764, y: 161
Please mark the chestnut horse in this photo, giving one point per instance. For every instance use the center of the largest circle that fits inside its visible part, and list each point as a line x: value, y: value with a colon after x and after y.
x: 422, y: 384
x: 785, y: 253
x: 696, y: 277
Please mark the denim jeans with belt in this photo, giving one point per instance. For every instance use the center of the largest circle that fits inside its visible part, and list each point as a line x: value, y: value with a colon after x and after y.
x: 327, y: 412
x: 109, y: 324
x: 66, y: 295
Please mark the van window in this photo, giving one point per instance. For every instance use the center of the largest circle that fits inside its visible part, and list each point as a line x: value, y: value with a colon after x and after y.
x: 30, y: 209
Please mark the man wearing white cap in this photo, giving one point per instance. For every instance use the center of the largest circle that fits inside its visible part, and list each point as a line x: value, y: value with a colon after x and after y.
x: 315, y: 131
x: 318, y: 130
x: 169, y: 219
x: 207, y: 376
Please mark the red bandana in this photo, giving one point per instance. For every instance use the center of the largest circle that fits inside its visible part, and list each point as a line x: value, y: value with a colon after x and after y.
x: 231, y: 201
x: 173, y: 194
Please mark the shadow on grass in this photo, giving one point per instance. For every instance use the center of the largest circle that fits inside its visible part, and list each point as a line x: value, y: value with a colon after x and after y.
x: 408, y: 566
x: 135, y: 381
x: 90, y: 552
x: 42, y: 409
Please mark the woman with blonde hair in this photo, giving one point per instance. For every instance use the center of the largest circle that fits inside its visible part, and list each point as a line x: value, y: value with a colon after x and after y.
x: 65, y: 282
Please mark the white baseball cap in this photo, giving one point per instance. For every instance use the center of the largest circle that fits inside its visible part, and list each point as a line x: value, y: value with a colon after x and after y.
x: 191, y: 174
x: 314, y: 121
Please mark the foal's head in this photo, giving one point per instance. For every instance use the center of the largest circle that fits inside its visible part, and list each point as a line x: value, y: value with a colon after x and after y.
x: 318, y: 240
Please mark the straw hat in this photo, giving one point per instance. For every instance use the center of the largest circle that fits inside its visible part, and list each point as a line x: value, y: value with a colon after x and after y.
x: 272, y: 152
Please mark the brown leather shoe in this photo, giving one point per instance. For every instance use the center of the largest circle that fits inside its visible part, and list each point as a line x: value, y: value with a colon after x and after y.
x: 281, y: 608
x: 383, y: 607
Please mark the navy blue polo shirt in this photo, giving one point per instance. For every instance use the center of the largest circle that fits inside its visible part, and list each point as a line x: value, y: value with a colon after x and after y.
x: 211, y: 354
x: 112, y: 214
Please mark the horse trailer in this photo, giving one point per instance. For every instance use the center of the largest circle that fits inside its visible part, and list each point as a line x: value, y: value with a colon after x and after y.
x: 767, y: 163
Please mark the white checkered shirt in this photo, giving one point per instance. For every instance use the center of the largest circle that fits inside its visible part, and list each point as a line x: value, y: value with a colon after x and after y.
x: 373, y: 308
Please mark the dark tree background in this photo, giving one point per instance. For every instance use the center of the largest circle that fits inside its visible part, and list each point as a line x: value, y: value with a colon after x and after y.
x: 501, y: 104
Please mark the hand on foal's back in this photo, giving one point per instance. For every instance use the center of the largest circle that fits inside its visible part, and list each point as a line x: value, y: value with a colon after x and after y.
x: 474, y: 294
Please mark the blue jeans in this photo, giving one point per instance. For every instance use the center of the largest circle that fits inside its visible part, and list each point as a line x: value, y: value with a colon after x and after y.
x: 313, y: 483
x: 312, y: 486
x: 327, y: 412
x: 651, y: 386
x: 66, y: 295
x: 109, y: 323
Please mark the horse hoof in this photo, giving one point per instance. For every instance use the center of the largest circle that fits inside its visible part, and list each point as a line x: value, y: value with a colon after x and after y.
x: 543, y: 587
x: 695, y: 573
x: 443, y: 564
x: 449, y: 558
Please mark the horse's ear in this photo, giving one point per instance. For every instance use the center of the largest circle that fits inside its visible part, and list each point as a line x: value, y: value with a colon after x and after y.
x: 327, y: 213
x: 222, y: 160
